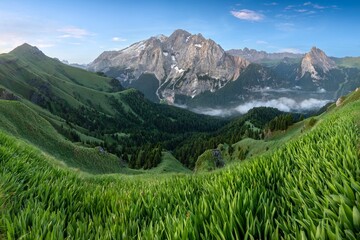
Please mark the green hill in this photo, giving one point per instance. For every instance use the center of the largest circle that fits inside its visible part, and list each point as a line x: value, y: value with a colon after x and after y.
x: 24, y: 123
x: 349, y: 62
x: 307, y: 189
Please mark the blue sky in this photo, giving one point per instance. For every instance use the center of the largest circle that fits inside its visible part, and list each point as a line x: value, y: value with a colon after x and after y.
x: 79, y: 31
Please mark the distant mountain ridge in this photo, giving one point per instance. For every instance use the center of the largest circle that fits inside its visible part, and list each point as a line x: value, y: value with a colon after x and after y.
x: 255, y: 56
x: 77, y: 65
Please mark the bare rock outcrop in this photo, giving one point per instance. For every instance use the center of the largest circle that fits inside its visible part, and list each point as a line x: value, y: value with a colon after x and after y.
x: 340, y: 101
x: 314, y: 61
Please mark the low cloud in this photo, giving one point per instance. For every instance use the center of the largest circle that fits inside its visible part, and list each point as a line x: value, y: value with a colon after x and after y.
x: 118, y: 39
x: 248, y: 15
x: 283, y: 104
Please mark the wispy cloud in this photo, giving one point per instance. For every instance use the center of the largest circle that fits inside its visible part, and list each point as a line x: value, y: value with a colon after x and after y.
x: 74, y: 32
x: 118, y: 39
x: 318, y: 6
x: 271, y: 4
x: 261, y: 42
x: 248, y: 15
x: 45, y: 45
x: 286, y: 27
x: 309, y: 7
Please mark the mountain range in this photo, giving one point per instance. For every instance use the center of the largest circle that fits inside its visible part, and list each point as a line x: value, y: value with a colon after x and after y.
x: 195, y: 72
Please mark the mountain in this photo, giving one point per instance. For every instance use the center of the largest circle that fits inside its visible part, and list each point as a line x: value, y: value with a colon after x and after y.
x: 317, y: 63
x: 299, y: 85
x: 263, y: 57
x: 183, y: 64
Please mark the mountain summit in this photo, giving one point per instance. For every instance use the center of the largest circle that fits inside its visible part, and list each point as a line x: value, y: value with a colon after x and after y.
x: 183, y: 64
x: 27, y: 50
x: 316, y: 62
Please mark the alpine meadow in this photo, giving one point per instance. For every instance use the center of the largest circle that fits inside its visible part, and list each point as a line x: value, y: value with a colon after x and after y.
x: 116, y: 123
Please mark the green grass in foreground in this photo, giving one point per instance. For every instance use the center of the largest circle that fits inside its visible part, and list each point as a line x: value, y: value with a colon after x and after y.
x: 310, y: 188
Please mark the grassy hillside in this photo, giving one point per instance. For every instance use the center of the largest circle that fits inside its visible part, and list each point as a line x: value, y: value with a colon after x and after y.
x: 22, y: 122
x: 309, y: 188
x: 349, y: 62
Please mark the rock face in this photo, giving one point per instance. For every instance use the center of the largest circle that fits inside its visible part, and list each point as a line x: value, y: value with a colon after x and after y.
x: 316, y: 63
x: 255, y: 56
x: 340, y: 101
x: 184, y: 64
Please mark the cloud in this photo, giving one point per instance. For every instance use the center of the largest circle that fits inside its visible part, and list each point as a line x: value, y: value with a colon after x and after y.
x: 118, y: 39
x: 261, y: 42
x: 290, y: 50
x: 309, y: 7
x: 74, y: 32
x: 283, y: 104
x: 317, y: 6
x: 45, y: 45
x: 248, y: 15
x: 286, y: 27
x: 289, y: 7
x: 271, y: 4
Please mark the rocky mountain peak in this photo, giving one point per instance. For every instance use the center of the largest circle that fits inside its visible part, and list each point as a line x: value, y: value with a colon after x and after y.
x: 184, y: 64
x: 178, y: 32
x: 314, y: 61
